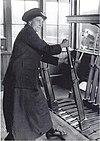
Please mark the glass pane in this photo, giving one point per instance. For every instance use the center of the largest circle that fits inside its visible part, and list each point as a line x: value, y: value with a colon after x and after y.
x: 19, y: 7
x: 17, y: 11
x: 1, y: 30
x: 63, y: 32
x: 51, y: 31
x: 63, y: 25
x: 89, y: 6
x: 56, y: 18
x: 63, y: 12
x: 51, y: 14
x: 30, y: 4
x: 1, y: 11
x: 15, y: 30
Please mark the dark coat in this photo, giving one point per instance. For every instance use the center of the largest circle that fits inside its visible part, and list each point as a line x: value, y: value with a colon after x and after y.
x: 25, y: 107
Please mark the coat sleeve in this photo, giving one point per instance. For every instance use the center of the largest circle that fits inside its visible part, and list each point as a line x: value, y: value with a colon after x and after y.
x: 50, y: 59
x: 33, y: 40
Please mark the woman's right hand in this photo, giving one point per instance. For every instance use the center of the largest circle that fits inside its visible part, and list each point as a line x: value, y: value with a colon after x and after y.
x: 64, y: 43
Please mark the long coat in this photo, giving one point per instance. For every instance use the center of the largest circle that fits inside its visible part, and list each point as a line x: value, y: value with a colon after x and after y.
x: 25, y: 107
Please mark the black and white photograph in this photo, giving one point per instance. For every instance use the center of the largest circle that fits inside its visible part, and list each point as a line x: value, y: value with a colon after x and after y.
x: 50, y: 70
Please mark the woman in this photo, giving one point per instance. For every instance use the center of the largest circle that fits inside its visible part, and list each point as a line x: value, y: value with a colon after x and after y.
x: 25, y: 108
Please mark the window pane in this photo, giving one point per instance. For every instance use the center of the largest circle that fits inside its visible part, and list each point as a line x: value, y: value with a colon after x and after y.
x: 1, y: 18
x: 1, y: 30
x: 64, y: 8
x: 1, y: 11
x: 15, y: 30
x: 17, y: 11
x: 51, y: 14
x: 19, y: 7
x: 30, y: 4
x: 63, y: 32
x: 51, y: 31
x: 56, y: 23
x: 63, y: 12
x: 89, y: 6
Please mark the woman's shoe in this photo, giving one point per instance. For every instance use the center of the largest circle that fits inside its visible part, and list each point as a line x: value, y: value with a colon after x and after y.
x: 55, y: 133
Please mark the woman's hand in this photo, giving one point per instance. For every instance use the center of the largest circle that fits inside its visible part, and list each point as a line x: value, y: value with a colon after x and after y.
x: 64, y: 43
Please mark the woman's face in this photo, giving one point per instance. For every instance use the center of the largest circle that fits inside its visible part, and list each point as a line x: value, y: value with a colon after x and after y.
x: 37, y: 23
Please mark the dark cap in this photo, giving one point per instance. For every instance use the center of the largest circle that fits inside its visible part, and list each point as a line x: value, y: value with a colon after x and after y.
x: 32, y: 13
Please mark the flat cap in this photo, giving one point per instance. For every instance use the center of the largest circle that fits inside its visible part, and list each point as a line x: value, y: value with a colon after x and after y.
x: 32, y: 13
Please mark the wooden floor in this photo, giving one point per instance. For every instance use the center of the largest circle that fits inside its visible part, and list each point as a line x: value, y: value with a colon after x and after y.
x: 72, y: 133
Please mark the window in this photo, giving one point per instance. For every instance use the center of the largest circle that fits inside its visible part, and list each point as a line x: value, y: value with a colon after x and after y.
x: 18, y: 9
x: 56, y: 25
x: 56, y: 28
